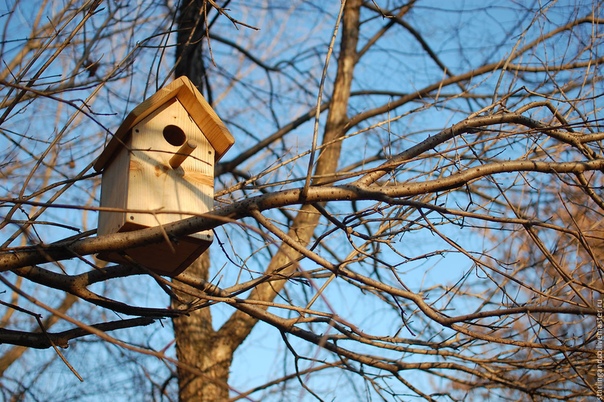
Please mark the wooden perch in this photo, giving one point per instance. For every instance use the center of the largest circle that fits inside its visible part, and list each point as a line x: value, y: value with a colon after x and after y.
x: 183, y: 152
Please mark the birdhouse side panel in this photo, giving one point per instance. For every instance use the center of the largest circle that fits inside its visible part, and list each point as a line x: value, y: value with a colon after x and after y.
x: 114, y: 193
x: 168, y: 193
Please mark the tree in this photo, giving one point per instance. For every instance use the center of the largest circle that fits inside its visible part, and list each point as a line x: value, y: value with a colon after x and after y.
x: 412, y: 208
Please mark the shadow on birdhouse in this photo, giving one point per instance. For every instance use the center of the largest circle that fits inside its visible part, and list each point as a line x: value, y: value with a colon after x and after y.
x: 159, y: 168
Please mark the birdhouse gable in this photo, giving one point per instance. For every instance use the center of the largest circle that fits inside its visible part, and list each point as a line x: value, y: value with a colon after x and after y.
x: 198, y: 109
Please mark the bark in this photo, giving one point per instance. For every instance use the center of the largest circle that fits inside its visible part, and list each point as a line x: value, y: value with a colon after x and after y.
x: 190, y: 38
x: 199, y: 346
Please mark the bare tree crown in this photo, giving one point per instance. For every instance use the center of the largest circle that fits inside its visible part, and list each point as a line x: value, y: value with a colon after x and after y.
x: 413, y: 206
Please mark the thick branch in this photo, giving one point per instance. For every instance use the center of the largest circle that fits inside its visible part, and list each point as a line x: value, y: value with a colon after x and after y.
x: 49, y: 339
x: 77, y: 285
x: 119, y: 241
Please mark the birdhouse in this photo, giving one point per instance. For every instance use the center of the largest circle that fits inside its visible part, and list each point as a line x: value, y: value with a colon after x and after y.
x: 159, y: 168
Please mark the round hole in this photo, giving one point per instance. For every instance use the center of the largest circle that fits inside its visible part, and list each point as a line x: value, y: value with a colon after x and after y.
x: 174, y: 135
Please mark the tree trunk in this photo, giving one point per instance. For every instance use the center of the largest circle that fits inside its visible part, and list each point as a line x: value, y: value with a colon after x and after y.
x: 197, y: 343
x: 205, y: 360
x: 199, y: 347
x: 190, y: 21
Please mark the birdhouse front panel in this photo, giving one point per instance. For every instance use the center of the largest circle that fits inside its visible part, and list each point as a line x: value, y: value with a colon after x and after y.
x: 172, y: 193
x: 142, y: 184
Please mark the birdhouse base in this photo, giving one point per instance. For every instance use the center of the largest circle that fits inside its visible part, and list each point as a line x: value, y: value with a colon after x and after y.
x: 160, y: 257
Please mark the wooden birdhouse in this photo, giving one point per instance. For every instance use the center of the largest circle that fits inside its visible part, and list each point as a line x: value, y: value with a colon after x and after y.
x: 159, y: 168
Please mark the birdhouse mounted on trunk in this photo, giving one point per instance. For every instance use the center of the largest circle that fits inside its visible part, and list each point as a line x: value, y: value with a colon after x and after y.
x: 159, y: 168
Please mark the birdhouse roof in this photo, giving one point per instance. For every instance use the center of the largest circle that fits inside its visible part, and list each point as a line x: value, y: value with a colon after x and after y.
x: 196, y: 106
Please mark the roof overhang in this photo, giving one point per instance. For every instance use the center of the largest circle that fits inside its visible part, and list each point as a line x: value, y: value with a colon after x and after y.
x: 197, y: 107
